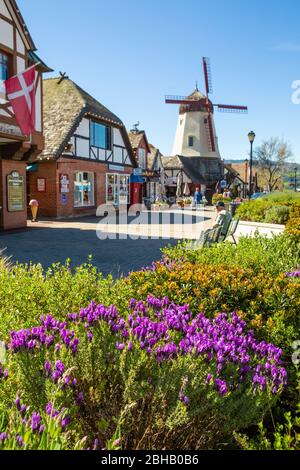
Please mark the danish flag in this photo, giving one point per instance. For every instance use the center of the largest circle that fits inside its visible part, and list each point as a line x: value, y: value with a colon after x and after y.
x: 20, y: 91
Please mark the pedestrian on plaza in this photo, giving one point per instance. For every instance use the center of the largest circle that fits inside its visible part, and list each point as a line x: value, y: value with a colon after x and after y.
x: 223, y: 219
x: 198, y: 198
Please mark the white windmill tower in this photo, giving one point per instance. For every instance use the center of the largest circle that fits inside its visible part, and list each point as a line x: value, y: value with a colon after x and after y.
x: 196, y: 132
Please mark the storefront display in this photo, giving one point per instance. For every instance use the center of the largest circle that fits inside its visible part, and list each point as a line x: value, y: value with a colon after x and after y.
x: 84, y: 189
x: 117, y: 189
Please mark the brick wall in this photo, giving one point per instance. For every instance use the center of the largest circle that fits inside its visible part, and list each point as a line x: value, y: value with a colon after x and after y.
x: 11, y: 220
x: 47, y: 199
x: 51, y: 204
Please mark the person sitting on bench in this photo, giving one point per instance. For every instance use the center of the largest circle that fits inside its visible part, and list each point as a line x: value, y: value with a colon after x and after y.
x: 223, y: 220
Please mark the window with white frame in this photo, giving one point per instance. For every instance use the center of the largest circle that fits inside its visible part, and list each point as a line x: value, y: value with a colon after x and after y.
x: 117, y: 189
x: 142, y: 158
x: 84, y: 189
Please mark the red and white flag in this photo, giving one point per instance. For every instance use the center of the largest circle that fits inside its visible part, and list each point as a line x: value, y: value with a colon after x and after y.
x: 20, y: 91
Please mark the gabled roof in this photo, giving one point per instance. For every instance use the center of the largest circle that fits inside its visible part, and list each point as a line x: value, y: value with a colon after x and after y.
x: 153, y: 156
x: 171, y: 163
x: 136, y: 137
x: 200, y: 170
x: 65, y: 104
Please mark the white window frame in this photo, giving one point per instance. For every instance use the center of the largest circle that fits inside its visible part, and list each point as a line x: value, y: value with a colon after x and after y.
x: 90, y: 173
x: 116, y: 189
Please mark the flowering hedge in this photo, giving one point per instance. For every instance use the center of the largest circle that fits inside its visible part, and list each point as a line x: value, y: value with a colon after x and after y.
x: 269, y: 305
x: 156, y: 377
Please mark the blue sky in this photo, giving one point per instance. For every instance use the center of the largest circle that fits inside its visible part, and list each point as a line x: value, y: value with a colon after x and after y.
x: 128, y: 54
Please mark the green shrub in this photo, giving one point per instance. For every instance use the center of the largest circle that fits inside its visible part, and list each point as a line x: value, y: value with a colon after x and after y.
x: 274, y: 255
x: 277, y: 215
x: 27, y: 292
x: 268, y: 210
x: 293, y: 226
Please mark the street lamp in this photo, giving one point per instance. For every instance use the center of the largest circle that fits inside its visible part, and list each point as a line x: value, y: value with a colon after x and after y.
x: 251, y: 137
x: 296, y: 169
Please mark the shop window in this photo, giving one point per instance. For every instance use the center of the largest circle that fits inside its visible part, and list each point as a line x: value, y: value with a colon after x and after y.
x: 100, y: 136
x: 117, y: 189
x: 84, y: 189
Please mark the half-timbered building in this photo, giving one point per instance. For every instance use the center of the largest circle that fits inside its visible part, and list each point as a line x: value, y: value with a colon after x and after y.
x: 17, y: 53
x: 87, y: 160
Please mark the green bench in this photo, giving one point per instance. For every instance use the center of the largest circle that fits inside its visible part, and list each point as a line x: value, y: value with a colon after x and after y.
x: 218, y: 234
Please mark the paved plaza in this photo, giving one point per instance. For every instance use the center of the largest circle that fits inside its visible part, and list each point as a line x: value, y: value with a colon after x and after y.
x: 117, y: 248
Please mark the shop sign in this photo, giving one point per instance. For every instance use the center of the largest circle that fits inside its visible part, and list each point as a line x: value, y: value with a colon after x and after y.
x: 10, y: 129
x: 15, y: 192
x: 64, y: 183
x: 41, y: 185
x: 116, y: 168
x: 223, y: 184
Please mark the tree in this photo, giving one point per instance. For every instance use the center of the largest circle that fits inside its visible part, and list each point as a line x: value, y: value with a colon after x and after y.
x: 271, y: 159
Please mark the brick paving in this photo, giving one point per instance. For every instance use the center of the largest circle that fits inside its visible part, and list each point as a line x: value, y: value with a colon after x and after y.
x: 51, y: 241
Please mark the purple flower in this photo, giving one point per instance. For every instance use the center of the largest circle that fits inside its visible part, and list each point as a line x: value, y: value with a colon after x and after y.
x: 42, y: 429
x: 35, y: 421
x: 90, y: 336
x: 65, y: 422
x: 18, y: 403
x: 208, y: 379
x: 47, y: 368
x: 20, y: 441
x: 3, y: 437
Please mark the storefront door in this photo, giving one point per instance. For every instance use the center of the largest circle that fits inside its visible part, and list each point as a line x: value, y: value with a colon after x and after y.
x: 117, y: 189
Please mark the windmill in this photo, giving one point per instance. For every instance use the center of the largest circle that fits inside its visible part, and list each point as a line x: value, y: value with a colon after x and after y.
x: 199, y: 103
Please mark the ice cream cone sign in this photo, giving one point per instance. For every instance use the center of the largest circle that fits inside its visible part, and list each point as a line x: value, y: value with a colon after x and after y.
x: 34, y: 206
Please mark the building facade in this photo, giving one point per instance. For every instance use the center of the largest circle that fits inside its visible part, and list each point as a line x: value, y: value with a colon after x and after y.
x: 87, y: 160
x: 17, y: 53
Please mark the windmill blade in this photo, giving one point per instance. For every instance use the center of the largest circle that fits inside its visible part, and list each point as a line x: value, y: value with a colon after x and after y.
x: 211, y: 134
x: 171, y: 99
x: 228, y: 108
x: 207, y: 76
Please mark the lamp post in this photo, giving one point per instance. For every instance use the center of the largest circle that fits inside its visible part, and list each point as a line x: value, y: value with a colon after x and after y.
x: 296, y: 169
x: 251, y: 137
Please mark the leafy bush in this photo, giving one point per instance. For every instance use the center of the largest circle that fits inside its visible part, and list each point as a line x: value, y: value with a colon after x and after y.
x: 269, y: 209
x: 260, y: 253
x: 277, y: 215
x: 293, y: 226
x: 157, y: 377
x: 27, y: 292
x: 219, y: 197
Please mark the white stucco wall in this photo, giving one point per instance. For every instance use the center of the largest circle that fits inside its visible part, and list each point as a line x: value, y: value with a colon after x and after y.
x: 192, y: 124
x: 117, y: 138
x: 3, y: 10
x: 6, y: 34
x: 84, y: 128
x: 20, y: 44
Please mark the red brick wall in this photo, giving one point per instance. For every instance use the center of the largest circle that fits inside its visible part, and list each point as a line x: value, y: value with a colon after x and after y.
x: 11, y: 220
x: 47, y: 200
x: 51, y: 201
